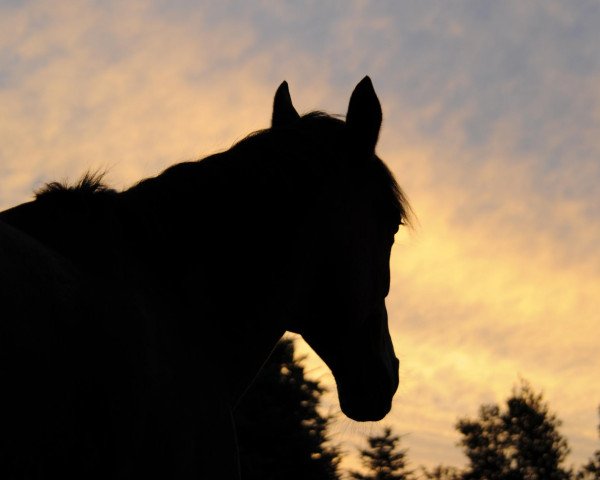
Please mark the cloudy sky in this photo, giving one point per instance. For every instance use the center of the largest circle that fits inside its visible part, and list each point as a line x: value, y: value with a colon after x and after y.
x: 491, y: 125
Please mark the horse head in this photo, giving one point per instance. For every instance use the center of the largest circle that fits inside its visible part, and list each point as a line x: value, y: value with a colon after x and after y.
x: 340, y: 308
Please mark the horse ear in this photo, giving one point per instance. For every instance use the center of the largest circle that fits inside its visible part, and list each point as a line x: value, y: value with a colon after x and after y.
x: 363, y: 119
x: 284, y: 112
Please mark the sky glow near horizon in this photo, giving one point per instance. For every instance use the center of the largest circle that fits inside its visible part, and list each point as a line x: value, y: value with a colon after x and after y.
x: 491, y: 126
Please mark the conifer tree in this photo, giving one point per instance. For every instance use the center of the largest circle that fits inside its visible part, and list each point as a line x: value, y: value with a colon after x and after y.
x: 383, y: 459
x: 441, y: 472
x: 281, y: 434
x: 520, y: 442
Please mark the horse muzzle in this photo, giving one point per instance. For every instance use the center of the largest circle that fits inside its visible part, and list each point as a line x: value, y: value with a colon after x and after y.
x: 364, y: 365
x: 366, y: 394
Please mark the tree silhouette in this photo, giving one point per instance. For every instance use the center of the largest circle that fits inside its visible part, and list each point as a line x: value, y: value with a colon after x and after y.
x: 591, y: 470
x: 441, y: 472
x: 383, y: 459
x: 521, y: 442
x: 280, y: 432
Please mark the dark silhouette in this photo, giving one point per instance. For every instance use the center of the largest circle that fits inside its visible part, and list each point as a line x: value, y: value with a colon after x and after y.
x: 383, y: 459
x: 128, y: 344
x: 281, y: 435
x: 591, y: 470
x: 441, y: 472
x: 521, y: 442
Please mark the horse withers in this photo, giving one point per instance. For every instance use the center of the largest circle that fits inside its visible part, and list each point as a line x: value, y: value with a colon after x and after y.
x: 174, y: 292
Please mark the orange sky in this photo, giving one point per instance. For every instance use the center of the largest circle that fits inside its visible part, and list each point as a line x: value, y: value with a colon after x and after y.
x: 491, y: 125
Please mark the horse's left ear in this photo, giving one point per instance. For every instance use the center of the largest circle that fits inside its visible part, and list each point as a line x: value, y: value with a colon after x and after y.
x: 363, y: 119
x: 284, y: 112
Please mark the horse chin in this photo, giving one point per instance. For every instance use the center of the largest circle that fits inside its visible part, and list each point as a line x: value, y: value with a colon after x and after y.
x: 365, y: 411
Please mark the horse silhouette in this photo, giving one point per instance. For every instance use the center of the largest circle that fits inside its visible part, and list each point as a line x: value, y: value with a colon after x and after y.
x: 134, y: 321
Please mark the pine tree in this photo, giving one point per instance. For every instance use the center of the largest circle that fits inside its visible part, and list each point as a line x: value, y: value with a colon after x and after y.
x: 281, y: 435
x: 521, y: 442
x: 591, y: 470
x: 485, y: 444
x: 382, y: 459
x: 441, y: 472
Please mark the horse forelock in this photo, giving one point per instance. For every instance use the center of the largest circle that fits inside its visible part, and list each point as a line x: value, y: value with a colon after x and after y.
x: 393, y: 198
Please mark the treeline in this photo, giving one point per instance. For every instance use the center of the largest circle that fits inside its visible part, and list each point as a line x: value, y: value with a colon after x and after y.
x: 282, y: 435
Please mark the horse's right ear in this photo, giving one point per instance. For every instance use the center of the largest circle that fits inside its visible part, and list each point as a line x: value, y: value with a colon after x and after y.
x: 363, y: 119
x: 284, y: 112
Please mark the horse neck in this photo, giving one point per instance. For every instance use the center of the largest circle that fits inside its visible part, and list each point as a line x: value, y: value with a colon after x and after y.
x: 227, y: 243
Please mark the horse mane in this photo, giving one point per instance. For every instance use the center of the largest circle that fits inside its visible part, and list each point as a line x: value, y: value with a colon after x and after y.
x: 313, y: 124
x: 90, y: 184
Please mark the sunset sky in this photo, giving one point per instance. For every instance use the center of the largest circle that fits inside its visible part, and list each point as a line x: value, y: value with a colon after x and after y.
x: 491, y: 126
